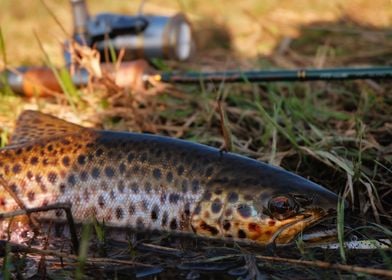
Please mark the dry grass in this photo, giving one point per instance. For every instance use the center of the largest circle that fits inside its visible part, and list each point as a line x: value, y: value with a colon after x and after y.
x: 337, y: 134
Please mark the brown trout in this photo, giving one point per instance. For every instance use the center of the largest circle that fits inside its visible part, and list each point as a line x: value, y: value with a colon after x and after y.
x: 152, y: 182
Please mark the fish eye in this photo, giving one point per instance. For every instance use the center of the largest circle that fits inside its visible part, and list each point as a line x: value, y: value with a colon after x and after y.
x: 282, y: 207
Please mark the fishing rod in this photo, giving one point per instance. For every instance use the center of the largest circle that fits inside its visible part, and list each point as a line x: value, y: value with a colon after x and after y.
x: 38, y: 81
x: 257, y: 76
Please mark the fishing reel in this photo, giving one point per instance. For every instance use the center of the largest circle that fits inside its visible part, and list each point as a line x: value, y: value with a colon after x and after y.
x: 139, y: 36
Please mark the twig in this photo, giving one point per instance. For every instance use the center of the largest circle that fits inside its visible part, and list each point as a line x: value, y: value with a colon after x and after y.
x: 64, y: 206
x: 327, y: 265
x: 30, y: 250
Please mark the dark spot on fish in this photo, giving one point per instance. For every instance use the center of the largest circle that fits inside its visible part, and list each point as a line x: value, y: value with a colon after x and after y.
x: 82, y: 159
x: 248, y: 197
x: 130, y: 157
x: 90, y: 145
x: 223, y: 180
x: 209, y: 228
x: 241, y: 234
x: 135, y: 169
x: 50, y: 148
x: 65, y: 142
x: 207, y: 196
x: 66, y: 161
x: 157, y: 173
x: 148, y: 187
x: 228, y: 212
x: 226, y: 225
x: 218, y: 191
x: 143, y: 157
x: 249, y: 181
x: 164, y: 219
x: 180, y: 170
x: 62, y: 188
x: 14, y: 188
x: 119, y: 213
x: 72, y: 180
x: 163, y: 198
x: 122, y: 168
x: 155, y: 213
x: 184, y: 186
x: 111, y: 193
x: 17, y: 168
x: 121, y: 186
x: 31, y: 196
x: 195, y: 186
x: 83, y: 176
x: 135, y: 187
x: 271, y: 223
x: 173, y: 198
x: 101, y: 201
x: 244, y: 210
x: 169, y: 177
x: 209, y: 171
x: 131, y: 209
x: 235, y: 183
x: 29, y: 175
x: 187, y: 209
x: 52, y: 177
x: 197, y: 210
x: 95, y: 173
x: 139, y: 223
x: 173, y: 224
x: 99, y: 152
x: 109, y: 172
x: 34, y: 161
x: 216, y: 206
x: 232, y: 197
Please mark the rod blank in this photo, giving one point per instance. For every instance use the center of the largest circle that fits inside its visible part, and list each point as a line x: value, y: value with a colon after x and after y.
x: 278, y: 75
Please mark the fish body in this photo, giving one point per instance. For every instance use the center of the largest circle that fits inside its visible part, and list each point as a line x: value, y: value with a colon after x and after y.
x: 152, y: 182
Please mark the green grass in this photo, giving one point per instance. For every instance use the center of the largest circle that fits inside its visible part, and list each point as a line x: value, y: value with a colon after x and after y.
x: 63, y: 77
x: 83, y: 250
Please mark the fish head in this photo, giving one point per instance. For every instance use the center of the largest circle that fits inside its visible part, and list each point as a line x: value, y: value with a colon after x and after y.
x: 273, y: 209
x: 279, y: 212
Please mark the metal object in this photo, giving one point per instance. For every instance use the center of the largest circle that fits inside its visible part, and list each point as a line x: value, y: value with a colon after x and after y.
x: 277, y: 75
x: 140, y: 36
x: 80, y: 17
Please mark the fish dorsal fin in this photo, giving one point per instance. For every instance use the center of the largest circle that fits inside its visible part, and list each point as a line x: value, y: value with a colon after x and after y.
x: 33, y: 126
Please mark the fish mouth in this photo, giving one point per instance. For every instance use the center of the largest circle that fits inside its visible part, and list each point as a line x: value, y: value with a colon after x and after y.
x: 299, y: 225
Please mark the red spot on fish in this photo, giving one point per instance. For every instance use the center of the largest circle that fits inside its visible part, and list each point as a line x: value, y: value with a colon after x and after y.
x: 268, y: 232
x: 254, y: 227
x: 271, y: 223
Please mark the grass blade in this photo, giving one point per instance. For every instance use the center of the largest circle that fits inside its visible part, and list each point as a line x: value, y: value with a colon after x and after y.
x: 340, y: 228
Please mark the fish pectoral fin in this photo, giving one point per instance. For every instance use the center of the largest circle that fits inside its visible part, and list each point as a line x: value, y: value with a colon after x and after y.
x: 34, y: 125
